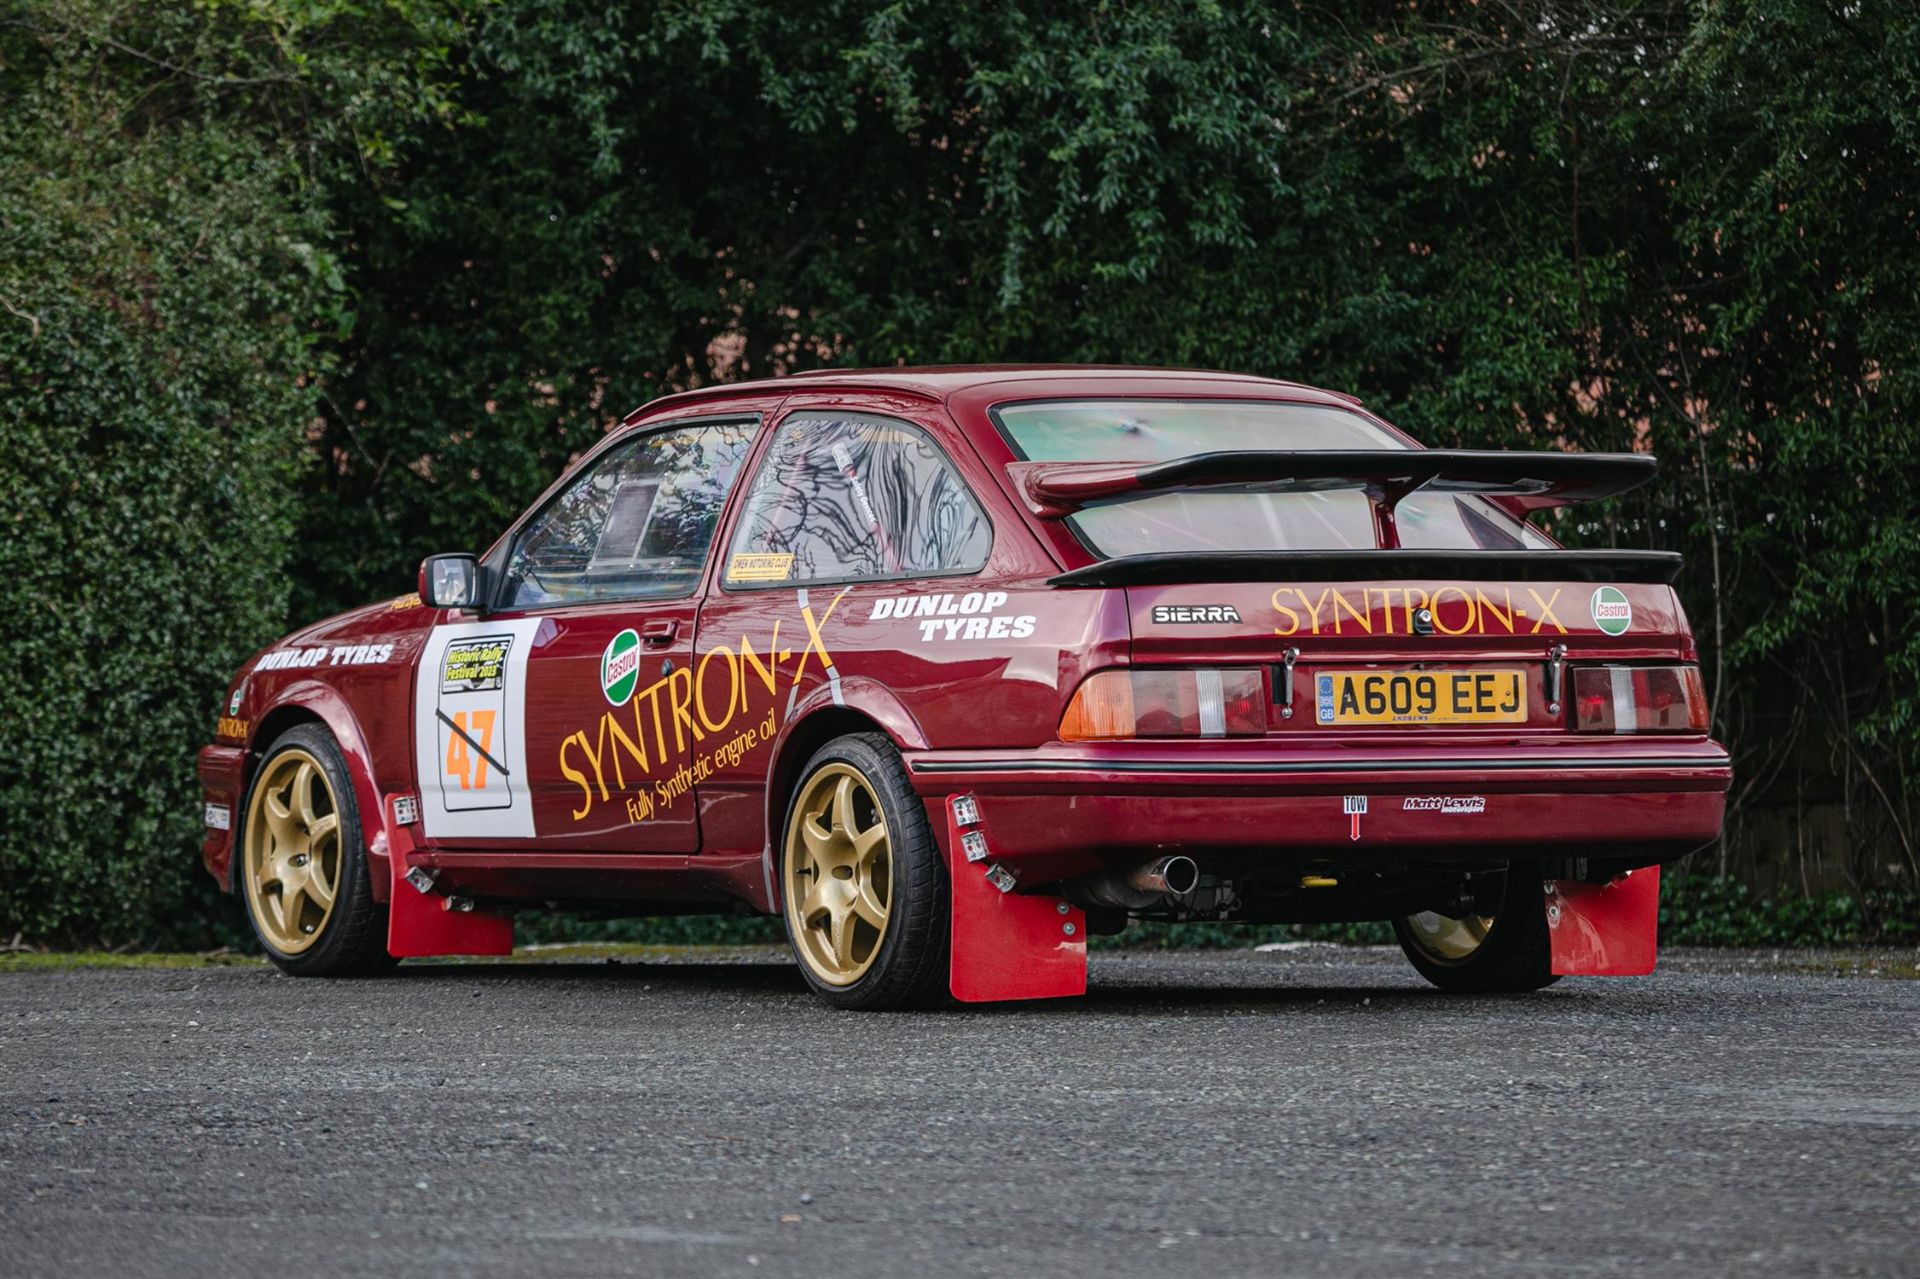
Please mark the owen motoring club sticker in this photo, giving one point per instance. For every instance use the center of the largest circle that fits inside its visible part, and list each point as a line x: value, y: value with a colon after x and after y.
x: 620, y: 667
x: 762, y: 566
x: 1612, y: 610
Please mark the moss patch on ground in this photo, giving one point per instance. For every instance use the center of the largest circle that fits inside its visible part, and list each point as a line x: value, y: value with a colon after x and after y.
x: 41, y: 960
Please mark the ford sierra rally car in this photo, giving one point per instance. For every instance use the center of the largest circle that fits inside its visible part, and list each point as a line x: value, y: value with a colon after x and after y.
x: 953, y: 667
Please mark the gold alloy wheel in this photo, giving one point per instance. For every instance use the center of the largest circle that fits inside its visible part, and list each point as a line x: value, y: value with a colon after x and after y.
x: 292, y: 851
x: 839, y: 874
x: 1448, y: 939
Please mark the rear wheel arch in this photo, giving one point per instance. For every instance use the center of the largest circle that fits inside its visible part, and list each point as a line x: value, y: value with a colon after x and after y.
x: 804, y: 735
x: 866, y: 855
x: 797, y: 745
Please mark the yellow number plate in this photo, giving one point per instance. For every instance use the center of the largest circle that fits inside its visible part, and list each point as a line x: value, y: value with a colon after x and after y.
x: 1478, y: 696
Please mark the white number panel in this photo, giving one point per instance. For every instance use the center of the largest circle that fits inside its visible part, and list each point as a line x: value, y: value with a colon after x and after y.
x: 470, y: 731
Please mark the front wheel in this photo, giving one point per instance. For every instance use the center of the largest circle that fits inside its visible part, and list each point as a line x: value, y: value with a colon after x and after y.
x: 303, y: 865
x: 864, y: 891
x: 1502, y: 953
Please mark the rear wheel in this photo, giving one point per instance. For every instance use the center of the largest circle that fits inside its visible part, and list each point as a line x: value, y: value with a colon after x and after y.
x: 303, y: 866
x: 865, y: 895
x: 1505, y: 952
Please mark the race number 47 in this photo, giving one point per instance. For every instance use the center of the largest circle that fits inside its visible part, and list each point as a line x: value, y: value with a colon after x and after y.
x: 470, y: 729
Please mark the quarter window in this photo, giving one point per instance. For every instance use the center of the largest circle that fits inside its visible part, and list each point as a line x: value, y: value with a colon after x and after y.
x: 848, y: 497
x: 634, y: 526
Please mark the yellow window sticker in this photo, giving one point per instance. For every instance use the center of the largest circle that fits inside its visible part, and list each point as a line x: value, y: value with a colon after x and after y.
x: 765, y: 567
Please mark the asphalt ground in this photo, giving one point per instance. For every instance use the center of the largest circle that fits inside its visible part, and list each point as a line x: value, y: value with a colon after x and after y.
x: 1313, y: 1112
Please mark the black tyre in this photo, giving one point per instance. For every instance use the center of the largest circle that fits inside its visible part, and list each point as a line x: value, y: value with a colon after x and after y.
x: 1502, y: 953
x: 301, y: 862
x: 865, y: 894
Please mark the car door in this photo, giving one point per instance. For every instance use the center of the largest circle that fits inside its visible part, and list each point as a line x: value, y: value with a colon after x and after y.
x: 845, y: 506
x: 593, y: 618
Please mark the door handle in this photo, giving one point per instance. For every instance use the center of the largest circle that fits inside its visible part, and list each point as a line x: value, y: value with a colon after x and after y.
x: 661, y: 631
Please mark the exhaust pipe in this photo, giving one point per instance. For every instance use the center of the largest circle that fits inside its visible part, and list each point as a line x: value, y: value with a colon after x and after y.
x: 1167, y: 877
x: 1159, y: 882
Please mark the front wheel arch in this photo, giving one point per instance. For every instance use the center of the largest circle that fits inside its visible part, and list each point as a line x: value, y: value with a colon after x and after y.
x: 321, y: 705
x: 350, y: 938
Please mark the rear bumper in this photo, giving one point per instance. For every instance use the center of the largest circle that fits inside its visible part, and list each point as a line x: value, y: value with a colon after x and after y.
x: 1063, y: 810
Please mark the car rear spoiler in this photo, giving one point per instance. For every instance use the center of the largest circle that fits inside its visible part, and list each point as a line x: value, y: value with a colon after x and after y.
x: 1657, y: 567
x: 1528, y: 481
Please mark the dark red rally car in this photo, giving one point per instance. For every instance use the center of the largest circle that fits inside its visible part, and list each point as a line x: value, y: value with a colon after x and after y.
x: 953, y: 667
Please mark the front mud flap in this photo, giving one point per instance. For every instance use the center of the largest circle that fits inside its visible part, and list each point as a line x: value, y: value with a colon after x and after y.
x: 1004, y: 944
x: 1605, y: 930
x: 420, y: 924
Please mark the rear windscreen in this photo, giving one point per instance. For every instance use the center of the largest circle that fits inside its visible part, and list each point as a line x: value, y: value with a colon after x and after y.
x: 1239, y: 519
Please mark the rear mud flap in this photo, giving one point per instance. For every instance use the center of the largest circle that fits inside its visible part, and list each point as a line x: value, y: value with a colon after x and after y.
x: 1005, y: 945
x: 1605, y: 930
x: 420, y: 924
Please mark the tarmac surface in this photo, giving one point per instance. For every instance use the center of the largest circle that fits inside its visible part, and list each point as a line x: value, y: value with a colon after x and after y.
x: 1316, y: 1111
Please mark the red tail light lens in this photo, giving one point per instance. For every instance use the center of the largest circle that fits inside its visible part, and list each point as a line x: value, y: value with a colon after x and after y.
x: 1202, y: 702
x: 1639, y: 699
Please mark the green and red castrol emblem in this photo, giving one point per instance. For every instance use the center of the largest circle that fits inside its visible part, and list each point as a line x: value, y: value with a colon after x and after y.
x: 620, y: 667
x: 1612, y: 610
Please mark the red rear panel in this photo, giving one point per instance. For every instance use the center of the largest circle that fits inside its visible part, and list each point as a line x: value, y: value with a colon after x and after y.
x: 1485, y: 649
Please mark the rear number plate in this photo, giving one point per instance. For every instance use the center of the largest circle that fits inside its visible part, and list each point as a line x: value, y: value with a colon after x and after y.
x: 1480, y: 696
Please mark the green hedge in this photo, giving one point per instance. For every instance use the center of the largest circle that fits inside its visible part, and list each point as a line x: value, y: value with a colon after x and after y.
x: 151, y: 414
x: 382, y: 269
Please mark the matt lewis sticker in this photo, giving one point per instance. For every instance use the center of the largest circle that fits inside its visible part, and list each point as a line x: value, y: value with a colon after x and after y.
x: 1444, y: 804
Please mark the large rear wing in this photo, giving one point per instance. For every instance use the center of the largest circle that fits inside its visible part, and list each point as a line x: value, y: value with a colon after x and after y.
x: 1656, y: 567
x: 1531, y: 481
x: 1519, y: 482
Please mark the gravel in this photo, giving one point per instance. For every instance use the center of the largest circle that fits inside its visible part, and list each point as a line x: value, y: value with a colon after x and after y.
x: 1312, y: 1110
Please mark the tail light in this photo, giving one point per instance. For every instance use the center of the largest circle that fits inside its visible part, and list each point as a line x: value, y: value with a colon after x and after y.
x: 1639, y: 699
x: 1167, y: 703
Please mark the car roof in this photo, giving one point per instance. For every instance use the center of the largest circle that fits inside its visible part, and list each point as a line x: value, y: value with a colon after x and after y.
x: 942, y: 382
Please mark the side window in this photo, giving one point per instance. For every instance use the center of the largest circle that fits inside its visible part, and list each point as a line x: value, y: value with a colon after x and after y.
x: 635, y: 526
x: 845, y: 497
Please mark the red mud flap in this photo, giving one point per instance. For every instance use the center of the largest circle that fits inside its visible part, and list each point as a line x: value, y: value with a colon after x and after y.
x: 1605, y: 930
x: 420, y: 924
x: 1005, y: 945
